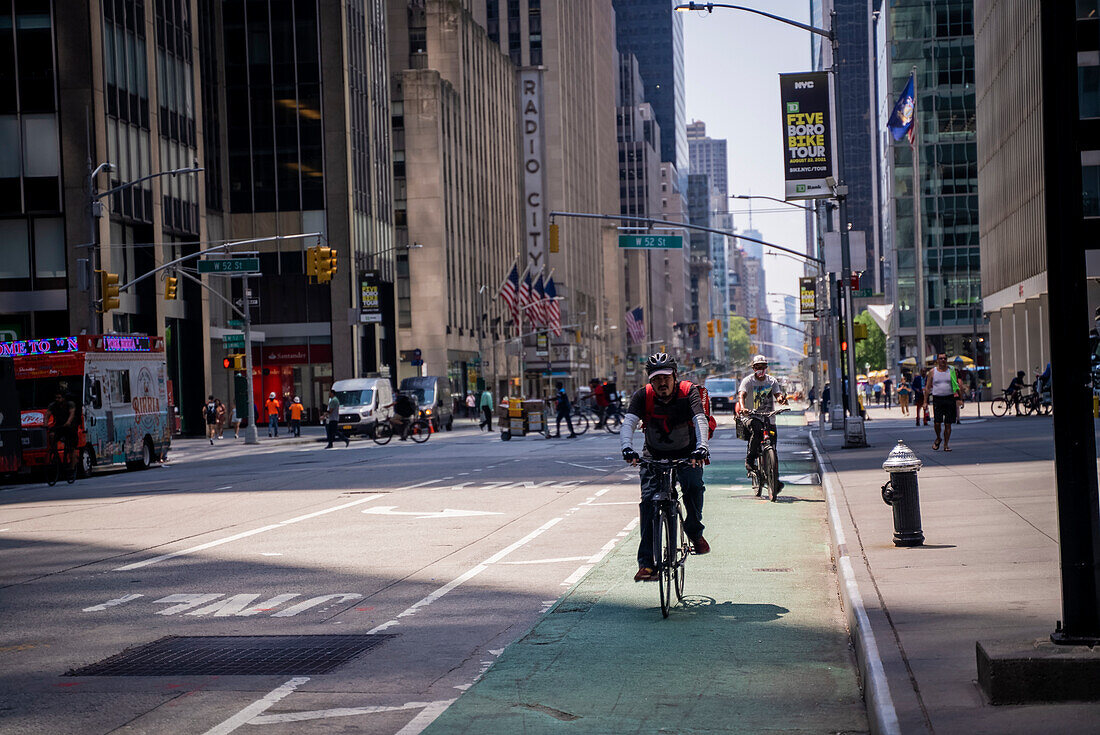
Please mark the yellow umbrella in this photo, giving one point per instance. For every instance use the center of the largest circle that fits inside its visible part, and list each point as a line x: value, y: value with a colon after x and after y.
x: 861, y: 378
x: 961, y: 360
x: 908, y: 362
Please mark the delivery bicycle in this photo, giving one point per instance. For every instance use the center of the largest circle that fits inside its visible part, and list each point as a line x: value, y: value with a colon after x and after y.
x: 670, y: 543
x: 418, y: 429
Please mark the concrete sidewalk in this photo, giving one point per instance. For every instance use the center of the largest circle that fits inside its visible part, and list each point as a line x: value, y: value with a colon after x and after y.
x: 988, y: 569
x: 758, y: 646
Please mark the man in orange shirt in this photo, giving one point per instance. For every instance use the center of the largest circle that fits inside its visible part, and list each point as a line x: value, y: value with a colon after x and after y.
x: 296, y: 410
x: 273, y: 411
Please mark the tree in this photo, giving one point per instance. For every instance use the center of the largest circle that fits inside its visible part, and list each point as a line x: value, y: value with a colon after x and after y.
x: 871, y: 351
x: 737, y: 341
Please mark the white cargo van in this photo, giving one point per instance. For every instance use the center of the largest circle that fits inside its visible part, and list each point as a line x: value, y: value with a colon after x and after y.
x: 363, y: 401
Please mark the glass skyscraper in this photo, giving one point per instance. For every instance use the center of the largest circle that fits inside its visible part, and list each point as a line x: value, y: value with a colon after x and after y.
x: 654, y: 33
x: 936, y: 39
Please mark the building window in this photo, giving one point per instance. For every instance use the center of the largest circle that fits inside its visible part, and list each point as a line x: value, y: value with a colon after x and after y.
x: 16, y: 262
x: 1088, y: 88
x: 1090, y: 186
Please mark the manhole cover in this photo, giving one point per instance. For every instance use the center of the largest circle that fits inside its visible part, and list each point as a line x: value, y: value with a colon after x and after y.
x: 234, y: 655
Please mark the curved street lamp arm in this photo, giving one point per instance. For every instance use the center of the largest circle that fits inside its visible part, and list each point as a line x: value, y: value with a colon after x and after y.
x: 709, y: 7
x: 135, y: 182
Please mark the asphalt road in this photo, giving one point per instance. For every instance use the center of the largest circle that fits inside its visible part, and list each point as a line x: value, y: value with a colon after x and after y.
x: 451, y: 548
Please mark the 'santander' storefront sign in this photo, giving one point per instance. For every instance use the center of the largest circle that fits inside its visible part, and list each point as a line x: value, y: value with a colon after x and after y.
x: 808, y: 156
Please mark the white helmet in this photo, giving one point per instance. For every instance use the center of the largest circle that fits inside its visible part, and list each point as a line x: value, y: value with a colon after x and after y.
x: 759, y: 359
x: 297, y: 399
x: 272, y: 394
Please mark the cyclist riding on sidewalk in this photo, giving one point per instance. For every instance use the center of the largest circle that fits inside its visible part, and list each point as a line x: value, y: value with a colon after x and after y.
x: 764, y: 390
x: 675, y: 427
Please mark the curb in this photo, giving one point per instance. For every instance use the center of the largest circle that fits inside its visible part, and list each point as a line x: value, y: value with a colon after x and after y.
x: 882, y: 716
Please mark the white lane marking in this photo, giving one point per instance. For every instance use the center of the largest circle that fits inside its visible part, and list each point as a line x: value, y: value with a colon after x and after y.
x: 111, y: 603
x: 257, y: 707
x: 229, y: 606
x: 466, y: 576
x: 315, y: 601
x: 270, y: 553
x: 320, y: 714
x: 268, y: 605
x: 185, y: 601
x: 227, y: 487
x: 426, y: 717
x: 548, y: 561
x: 602, y: 491
x: 388, y: 510
x: 254, y: 531
x: 596, y: 558
x: 883, y: 701
x: 620, y: 502
x: 584, y: 466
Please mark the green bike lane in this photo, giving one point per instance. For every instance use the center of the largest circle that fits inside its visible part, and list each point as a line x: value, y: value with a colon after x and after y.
x: 758, y: 645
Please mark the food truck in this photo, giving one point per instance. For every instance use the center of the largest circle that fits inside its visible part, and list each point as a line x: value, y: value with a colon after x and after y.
x: 119, y: 384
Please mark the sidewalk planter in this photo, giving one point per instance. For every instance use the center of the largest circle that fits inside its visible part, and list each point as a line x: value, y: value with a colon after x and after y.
x: 901, y: 494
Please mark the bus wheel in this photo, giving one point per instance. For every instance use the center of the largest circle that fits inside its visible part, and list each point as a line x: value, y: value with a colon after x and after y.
x: 87, y: 461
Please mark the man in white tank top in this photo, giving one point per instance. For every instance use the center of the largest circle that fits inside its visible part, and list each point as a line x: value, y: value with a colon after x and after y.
x: 943, y: 388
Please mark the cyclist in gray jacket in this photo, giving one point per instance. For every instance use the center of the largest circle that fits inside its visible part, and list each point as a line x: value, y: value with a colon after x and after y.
x: 675, y: 428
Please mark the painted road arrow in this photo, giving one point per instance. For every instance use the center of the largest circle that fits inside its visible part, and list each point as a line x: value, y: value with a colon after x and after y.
x: 388, y: 510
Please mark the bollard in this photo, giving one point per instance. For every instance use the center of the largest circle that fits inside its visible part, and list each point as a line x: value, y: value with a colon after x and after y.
x: 901, y: 494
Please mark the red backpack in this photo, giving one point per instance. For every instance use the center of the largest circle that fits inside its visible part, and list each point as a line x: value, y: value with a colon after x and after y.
x: 684, y: 388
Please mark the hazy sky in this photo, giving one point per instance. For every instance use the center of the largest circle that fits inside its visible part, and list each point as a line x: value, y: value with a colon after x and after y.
x: 733, y: 60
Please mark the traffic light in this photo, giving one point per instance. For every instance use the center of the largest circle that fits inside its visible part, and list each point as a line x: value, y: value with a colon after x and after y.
x: 171, y: 283
x: 553, y: 238
x: 326, y: 264
x: 718, y: 327
x: 752, y: 325
x: 234, y: 361
x: 108, y: 291
x: 710, y: 328
x: 859, y: 330
x: 311, y: 261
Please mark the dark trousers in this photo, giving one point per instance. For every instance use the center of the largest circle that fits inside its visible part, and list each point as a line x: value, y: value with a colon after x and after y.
x: 568, y: 421
x: 691, y: 489
x: 273, y: 424
x: 487, y: 417
x: 755, y: 437
x: 295, y: 427
x: 332, y: 432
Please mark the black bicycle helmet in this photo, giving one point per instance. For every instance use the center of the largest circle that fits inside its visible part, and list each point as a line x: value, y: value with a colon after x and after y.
x: 659, y: 361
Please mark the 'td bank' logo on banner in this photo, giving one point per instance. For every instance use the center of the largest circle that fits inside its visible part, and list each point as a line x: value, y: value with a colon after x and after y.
x: 807, y: 134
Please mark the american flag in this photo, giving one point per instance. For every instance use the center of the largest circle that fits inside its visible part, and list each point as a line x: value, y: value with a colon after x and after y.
x: 539, y: 317
x: 635, y: 325
x: 525, y: 297
x: 510, y: 290
x: 553, y: 310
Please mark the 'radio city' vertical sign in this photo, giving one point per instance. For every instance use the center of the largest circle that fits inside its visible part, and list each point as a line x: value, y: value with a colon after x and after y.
x: 534, y: 178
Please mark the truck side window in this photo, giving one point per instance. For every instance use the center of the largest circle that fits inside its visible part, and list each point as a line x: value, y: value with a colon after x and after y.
x: 120, y: 386
x: 93, y: 392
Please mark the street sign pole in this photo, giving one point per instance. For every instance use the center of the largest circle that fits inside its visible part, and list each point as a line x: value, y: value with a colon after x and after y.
x: 251, y: 436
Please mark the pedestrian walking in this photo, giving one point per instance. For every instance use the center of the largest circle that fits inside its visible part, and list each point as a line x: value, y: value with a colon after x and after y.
x: 564, y: 411
x: 904, y: 393
x: 235, y: 420
x: 220, y: 407
x: 470, y: 404
x: 942, y: 387
x: 332, y: 418
x: 887, y: 390
x: 210, y: 415
x: 273, y: 409
x: 826, y: 398
x: 878, y: 394
x: 486, y: 410
x: 919, y: 401
x: 296, y: 410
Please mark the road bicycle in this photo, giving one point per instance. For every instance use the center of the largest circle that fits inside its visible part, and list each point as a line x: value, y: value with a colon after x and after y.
x: 670, y: 543
x: 60, y: 463
x: 576, y: 414
x: 614, y: 418
x: 1029, y: 403
x: 417, y: 429
x: 766, y: 474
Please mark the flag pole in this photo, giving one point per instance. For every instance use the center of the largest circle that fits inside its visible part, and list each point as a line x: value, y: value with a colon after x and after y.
x: 918, y: 237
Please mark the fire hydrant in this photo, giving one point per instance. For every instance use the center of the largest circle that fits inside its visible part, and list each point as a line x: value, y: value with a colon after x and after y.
x: 901, y: 494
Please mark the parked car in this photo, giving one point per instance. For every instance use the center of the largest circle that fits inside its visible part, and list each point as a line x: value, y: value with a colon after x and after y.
x: 363, y: 402
x: 723, y: 393
x: 434, y: 395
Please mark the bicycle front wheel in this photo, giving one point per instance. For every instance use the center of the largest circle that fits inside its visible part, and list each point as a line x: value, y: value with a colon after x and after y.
x: 419, y: 431
x: 665, y: 559
x: 680, y: 553
x: 580, y: 423
x: 999, y: 407
x: 770, y: 461
x: 383, y: 432
x: 53, y: 469
x: 614, y: 423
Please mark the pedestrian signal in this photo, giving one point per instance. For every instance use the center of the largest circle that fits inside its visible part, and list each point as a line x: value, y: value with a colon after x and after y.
x: 311, y: 261
x: 108, y: 290
x: 553, y: 238
x: 752, y: 325
x: 171, y: 283
x: 718, y: 327
x: 234, y: 361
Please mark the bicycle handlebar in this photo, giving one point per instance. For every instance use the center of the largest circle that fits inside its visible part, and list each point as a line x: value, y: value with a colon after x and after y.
x: 665, y: 463
x: 764, y: 414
